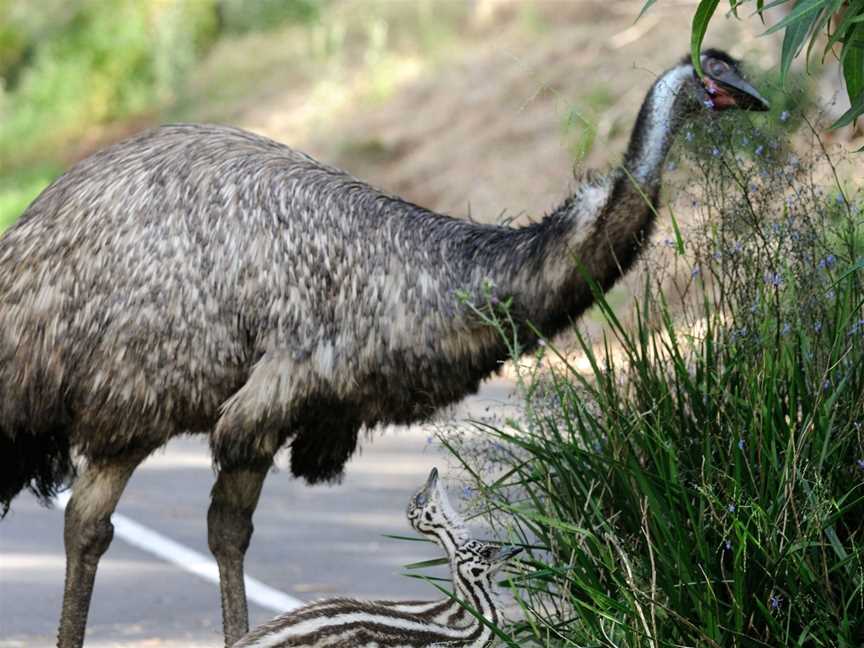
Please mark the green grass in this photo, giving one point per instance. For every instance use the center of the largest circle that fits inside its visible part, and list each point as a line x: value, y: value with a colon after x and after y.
x: 704, y: 485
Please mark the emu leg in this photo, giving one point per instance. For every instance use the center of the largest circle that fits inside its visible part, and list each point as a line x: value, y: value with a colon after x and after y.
x: 87, y: 534
x: 229, y: 529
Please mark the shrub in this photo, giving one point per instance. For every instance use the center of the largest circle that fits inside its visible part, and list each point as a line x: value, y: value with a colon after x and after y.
x: 90, y: 62
x: 703, y: 484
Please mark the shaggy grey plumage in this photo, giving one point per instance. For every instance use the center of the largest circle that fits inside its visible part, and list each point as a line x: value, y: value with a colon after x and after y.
x: 205, y: 279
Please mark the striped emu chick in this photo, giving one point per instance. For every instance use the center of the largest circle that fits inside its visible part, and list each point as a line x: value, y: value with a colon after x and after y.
x: 349, y: 623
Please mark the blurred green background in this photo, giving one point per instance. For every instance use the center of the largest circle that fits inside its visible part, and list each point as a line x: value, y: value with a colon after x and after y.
x: 68, y: 68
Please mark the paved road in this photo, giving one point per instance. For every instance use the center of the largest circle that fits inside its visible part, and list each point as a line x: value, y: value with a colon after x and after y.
x: 308, y: 542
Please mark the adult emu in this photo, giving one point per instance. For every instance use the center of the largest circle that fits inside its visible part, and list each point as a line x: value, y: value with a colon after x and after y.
x: 205, y: 279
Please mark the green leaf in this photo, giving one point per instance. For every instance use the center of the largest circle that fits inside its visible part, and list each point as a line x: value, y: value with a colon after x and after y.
x: 434, y: 562
x: 645, y: 8
x: 816, y: 28
x: 853, y: 62
x: 679, y: 240
x: 774, y: 3
x: 701, y: 18
x: 801, y: 12
x: 842, y: 33
x: 798, y: 25
x: 393, y: 536
x: 850, y: 115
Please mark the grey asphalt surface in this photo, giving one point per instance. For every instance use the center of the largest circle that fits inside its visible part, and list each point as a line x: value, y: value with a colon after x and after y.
x: 309, y: 542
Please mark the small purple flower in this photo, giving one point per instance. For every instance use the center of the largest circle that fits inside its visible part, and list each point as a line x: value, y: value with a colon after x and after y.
x: 840, y: 199
x: 727, y: 544
x: 671, y: 165
x: 784, y: 116
x: 775, y: 601
x: 760, y: 150
x: 541, y: 342
x: 741, y: 444
x: 786, y: 328
x: 669, y: 242
x: 826, y: 385
x: 827, y: 262
x: 688, y: 136
x: 731, y: 508
x: 708, y: 103
x: 695, y: 272
x: 774, y: 279
x: 715, y: 152
x: 860, y: 463
x: 817, y: 326
x: 467, y: 492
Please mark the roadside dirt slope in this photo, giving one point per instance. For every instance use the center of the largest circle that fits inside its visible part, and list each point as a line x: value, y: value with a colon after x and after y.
x: 500, y: 128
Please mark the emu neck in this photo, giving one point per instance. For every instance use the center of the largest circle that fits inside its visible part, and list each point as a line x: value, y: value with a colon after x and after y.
x: 658, y: 121
x: 599, y: 229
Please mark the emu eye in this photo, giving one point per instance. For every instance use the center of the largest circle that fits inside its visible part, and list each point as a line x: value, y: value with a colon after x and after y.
x: 717, y: 67
x: 420, y: 500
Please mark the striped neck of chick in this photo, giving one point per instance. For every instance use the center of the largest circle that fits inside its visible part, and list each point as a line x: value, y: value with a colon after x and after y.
x: 350, y: 623
x: 431, y: 514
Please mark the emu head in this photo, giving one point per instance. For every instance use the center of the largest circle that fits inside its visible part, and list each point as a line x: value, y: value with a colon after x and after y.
x: 476, y: 561
x: 430, y: 513
x: 723, y: 86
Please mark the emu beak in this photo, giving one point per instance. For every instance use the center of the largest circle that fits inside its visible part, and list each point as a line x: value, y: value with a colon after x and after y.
x: 730, y: 90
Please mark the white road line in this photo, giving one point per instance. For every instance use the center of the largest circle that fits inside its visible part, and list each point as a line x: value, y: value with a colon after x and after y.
x: 190, y: 560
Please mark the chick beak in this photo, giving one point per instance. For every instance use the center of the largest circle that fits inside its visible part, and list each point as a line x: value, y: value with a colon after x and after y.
x: 431, y: 481
x: 507, y: 553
